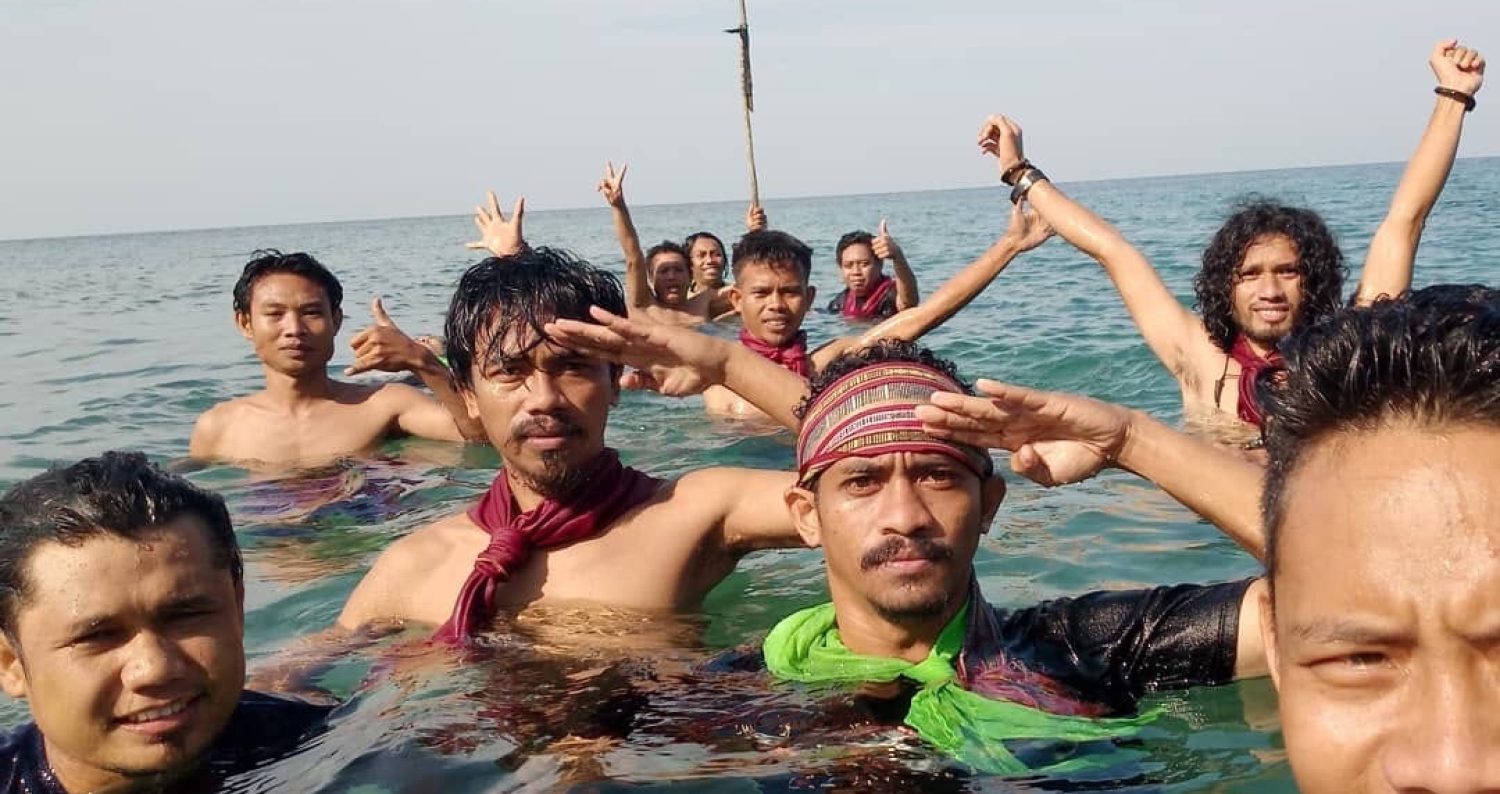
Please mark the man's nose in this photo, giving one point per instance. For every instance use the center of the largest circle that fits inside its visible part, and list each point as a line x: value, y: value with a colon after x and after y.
x: 152, y: 660
x: 1449, y: 738
x: 902, y: 509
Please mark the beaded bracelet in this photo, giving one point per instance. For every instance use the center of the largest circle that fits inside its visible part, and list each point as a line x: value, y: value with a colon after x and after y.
x: 1456, y: 95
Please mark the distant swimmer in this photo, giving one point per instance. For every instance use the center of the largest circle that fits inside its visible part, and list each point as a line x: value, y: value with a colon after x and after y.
x: 1269, y: 270
x: 658, y: 282
x: 122, y: 617
x: 565, y: 520
x: 772, y: 295
x: 288, y: 306
x: 870, y: 294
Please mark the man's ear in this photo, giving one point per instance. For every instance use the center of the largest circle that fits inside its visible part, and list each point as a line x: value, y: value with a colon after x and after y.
x: 803, y: 506
x: 812, y: 293
x: 472, y: 404
x: 735, y: 297
x: 338, y: 320
x: 991, y: 494
x: 616, y: 372
x: 1268, y: 635
x: 242, y: 322
x: 12, y: 670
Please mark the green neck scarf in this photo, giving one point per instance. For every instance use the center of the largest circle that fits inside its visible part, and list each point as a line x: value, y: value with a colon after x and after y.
x: 806, y: 647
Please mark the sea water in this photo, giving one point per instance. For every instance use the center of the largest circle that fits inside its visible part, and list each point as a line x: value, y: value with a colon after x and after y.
x: 119, y: 342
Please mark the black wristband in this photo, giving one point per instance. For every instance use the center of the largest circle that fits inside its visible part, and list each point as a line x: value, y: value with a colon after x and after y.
x: 1010, y: 174
x: 1456, y: 95
x: 1023, y: 185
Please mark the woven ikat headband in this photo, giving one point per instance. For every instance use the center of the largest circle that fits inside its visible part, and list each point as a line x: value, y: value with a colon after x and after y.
x: 869, y: 412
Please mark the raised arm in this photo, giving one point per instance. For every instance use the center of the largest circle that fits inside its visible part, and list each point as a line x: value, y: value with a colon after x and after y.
x: 1060, y: 438
x: 1026, y: 232
x: 677, y: 361
x: 1388, y: 265
x: 385, y: 347
x: 499, y: 235
x: 1168, y: 327
x: 885, y: 247
x: 637, y: 280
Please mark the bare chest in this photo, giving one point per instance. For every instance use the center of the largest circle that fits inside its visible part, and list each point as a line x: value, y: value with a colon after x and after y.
x: 328, y: 432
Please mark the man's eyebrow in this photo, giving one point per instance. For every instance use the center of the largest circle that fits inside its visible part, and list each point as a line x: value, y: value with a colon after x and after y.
x: 1352, y: 632
x: 191, y: 601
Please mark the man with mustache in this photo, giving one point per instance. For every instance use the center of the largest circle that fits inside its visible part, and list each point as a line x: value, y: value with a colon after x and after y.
x: 1270, y: 269
x: 869, y: 294
x: 289, y: 307
x: 564, y: 520
x: 122, y: 627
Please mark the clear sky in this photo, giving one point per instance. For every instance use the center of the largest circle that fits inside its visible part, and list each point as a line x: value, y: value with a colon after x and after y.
x: 169, y: 114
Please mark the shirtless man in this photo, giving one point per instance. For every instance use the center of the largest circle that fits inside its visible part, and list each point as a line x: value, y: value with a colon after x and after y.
x: 1269, y: 270
x: 657, y: 282
x: 288, y: 306
x: 772, y: 295
x: 869, y: 294
x: 564, y: 521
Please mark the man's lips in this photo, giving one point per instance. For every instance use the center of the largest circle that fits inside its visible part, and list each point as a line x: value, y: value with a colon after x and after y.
x: 163, y: 719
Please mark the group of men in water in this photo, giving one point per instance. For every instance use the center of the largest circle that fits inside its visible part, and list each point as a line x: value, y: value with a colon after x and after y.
x: 1377, y: 514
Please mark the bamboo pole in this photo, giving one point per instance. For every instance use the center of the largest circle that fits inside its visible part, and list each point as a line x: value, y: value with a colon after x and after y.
x: 745, y: 89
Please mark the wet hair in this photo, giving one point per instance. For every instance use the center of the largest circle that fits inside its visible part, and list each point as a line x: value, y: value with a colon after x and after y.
x: 882, y: 351
x: 269, y: 261
x: 772, y: 248
x: 523, y: 291
x: 687, y: 244
x: 1431, y: 359
x: 1321, y: 263
x: 118, y: 494
x: 852, y: 238
x: 668, y: 247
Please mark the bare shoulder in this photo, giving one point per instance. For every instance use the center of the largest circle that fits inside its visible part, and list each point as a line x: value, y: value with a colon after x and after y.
x: 392, y: 587
x: 211, y: 425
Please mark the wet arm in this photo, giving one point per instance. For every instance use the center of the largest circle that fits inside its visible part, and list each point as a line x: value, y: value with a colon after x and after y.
x: 454, y: 423
x: 1250, y: 648
x: 1216, y: 484
x: 1388, y: 265
x: 752, y: 506
x: 1167, y: 325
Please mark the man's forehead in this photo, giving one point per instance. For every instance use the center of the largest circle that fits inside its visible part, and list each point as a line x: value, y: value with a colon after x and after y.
x: 283, y: 286
x: 888, y: 460
x: 762, y: 272
x: 102, y: 573
x: 520, y: 340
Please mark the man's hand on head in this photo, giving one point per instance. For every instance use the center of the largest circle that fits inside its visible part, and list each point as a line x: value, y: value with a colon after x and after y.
x: 671, y: 360
x: 497, y: 234
x: 1054, y: 438
x: 1457, y: 67
x: 385, y: 347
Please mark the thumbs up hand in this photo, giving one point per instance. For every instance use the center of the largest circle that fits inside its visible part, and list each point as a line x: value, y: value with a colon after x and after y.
x: 884, y: 246
x: 383, y: 346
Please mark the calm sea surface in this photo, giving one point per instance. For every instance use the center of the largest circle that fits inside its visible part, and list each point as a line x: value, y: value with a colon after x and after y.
x: 121, y: 341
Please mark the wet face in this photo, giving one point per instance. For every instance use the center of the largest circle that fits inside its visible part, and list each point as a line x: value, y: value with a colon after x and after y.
x: 130, y: 655
x: 772, y: 300
x: 898, y: 532
x: 545, y: 409
x: 1384, y: 641
x: 291, y: 324
x: 669, y: 278
x: 708, y: 262
x: 1267, y: 289
x: 860, y: 269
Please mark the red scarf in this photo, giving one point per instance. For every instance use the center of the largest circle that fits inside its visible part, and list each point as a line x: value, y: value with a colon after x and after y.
x: 870, y: 306
x: 792, y: 356
x: 1252, y: 367
x: 611, y: 491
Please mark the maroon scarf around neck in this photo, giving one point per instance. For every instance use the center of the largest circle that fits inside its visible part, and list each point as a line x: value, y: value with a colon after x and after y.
x: 868, y: 308
x: 610, y: 491
x: 1252, y: 367
x: 793, y: 356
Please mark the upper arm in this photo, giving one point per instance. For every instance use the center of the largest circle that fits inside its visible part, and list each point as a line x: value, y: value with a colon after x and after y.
x: 752, y: 507
x: 417, y: 414
x: 206, y: 433
x: 381, y: 594
x: 637, y: 281
x: 1250, y: 659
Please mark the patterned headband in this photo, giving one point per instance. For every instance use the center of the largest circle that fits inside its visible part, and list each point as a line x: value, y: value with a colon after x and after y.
x: 869, y: 412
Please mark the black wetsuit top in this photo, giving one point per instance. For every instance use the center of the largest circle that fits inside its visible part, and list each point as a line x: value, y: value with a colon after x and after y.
x: 262, y: 729
x: 886, y: 308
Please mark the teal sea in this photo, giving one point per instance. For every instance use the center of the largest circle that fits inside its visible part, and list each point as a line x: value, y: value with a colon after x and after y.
x: 121, y: 341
